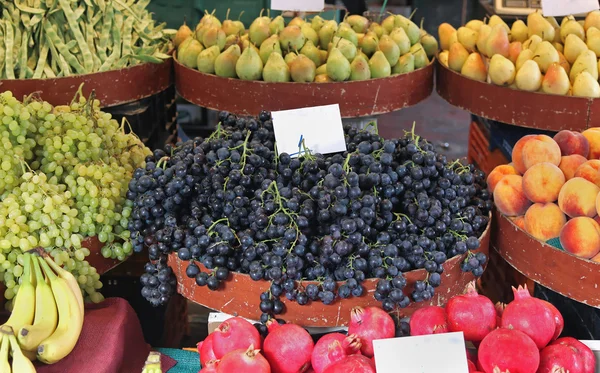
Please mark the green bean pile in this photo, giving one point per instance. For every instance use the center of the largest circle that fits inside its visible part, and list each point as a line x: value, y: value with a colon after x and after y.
x: 57, y: 38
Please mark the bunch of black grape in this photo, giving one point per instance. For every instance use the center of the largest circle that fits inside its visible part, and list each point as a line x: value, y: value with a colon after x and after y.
x: 315, y: 226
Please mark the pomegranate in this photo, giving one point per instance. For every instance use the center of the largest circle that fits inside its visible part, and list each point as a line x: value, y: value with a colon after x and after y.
x: 587, y: 356
x: 288, y: 348
x: 531, y: 316
x: 205, y: 349
x: 508, y: 350
x: 210, y: 366
x: 352, y: 364
x: 234, y: 334
x: 369, y: 324
x: 472, y: 367
x: 560, y: 356
x: 472, y: 314
x: 428, y: 320
x: 332, y: 348
x: 559, y: 322
x: 249, y: 360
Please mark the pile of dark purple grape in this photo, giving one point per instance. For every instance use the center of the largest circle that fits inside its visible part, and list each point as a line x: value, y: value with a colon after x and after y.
x: 378, y: 210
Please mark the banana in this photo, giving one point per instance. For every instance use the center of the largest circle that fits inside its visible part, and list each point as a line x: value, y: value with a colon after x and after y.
x: 70, y: 321
x: 46, y: 315
x: 24, y: 302
x: 70, y: 279
x: 4, y: 344
x: 20, y: 363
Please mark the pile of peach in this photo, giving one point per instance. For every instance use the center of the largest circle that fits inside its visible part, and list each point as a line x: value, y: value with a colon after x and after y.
x: 552, y: 189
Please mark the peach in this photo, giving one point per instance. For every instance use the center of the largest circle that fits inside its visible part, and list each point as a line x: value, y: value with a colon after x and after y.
x: 589, y: 171
x: 569, y: 164
x: 598, y: 205
x: 581, y: 237
x: 497, y: 174
x: 593, y: 137
x: 519, y: 221
x: 571, y: 142
x: 544, y: 221
x: 578, y: 198
x: 542, y: 182
x: 533, y: 149
x: 509, y: 197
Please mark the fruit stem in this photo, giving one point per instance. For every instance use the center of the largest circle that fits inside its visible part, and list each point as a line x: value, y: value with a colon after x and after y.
x: 38, y: 271
x: 26, y: 269
x: 51, y: 275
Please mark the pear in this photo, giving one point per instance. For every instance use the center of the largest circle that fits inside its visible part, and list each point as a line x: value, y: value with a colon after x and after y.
x: 377, y: 29
x: 519, y: 31
x: 346, y: 47
x: 525, y: 55
x: 559, y: 47
x: 495, y: 20
x: 324, y: 55
x: 553, y: 22
x: 545, y: 55
x: 412, y: 30
x: 457, y: 57
x: 556, y: 80
x: 214, y: 36
x: 587, y: 61
x: 529, y: 77
x: 259, y: 31
x: 231, y: 27
x: 276, y: 25
x: 276, y: 70
x: 484, y: 33
x: 322, y: 78
x: 405, y: 64
x: 183, y: 33
x: 231, y: 40
x: 346, y: 32
x: 474, y: 68
x: 317, y: 22
x: 572, y: 27
x: 199, y: 31
x: 514, y: 50
x: 302, y: 69
x: 297, y: 21
x: 321, y: 69
x: 468, y: 38
x: 189, y: 54
x: 338, y: 66
x: 389, y: 23
x: 497, y: 42
x: 240, y: 25
x: 326, y: 33
x: 532, y: 43
x: 445, y: 30
x: 379, y: 66
x: 271, y: 45
x: 592, y: 20
x: 312, y: 52
x: 586, y: 86
x: 359, y: 69
x: 292, y: 38
x: 421, y: 59
x: 398, y: 35
x: 390, y: 49
x: 430, y: 45
x: 290, y: 57
x: 443, y: 58
x: 474, y: 25
x: 593, y: 39
x: 206, y: 60
x: 538, y: 25
x: 562, y: 61
x: 567, y: 19
x: 359, y: 23
x: 181, y: 49
x: 574, y: 46
x: 210, y: 19
x: 249, y: 66
x: 226, y: 61
x: 369, y: 42
x: 309, y: 33
x: 502, y: 71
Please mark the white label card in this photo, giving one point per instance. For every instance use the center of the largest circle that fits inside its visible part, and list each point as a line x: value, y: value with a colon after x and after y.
x: 414, y: 354
x: 299, y: 5
x: 318, y: 129
x: 554, y: 8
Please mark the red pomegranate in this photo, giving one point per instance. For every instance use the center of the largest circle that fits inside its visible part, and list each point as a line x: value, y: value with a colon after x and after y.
x: 560, y: 356
x: 234, y: 334
x: 210, y: 367
x: 428, y: 320
x: 472, y: 314
x: 332, y: 348
x: 249, y: 360
x: 288, y: 348
x: 205, y: 349
x: 558, y: 319
x: 508, y: 350
x: 587, y: 355
x: 369, y: 324
x: 352, y: 364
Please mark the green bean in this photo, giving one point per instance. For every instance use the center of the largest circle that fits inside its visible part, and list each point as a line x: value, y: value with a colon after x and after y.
x: 67, y: 71
x: 126, y: 7
x: 121, y: 63
x: 102, y: 5
x: 127, y: 36
x: 79, y: 12
x: 9, y: 39
x: 88, y: 61
x: 41, y: 61
x: 71, y: 44
x: 35, y: 20
x: 146, y: 58
x: 105, y: 34
x: 49, y: 72
x: 23, y: 59
x: 28, y: 73
x: 27, y: 9
x: 2, y: 50
x: 54, y: 40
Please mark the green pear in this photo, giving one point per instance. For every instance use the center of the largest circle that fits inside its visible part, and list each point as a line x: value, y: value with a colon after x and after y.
x: 231, y: 40
x: 309, y: 33
x: 199, y: 31
x: 292, y: 38
x: 346, y: 32
x: 586, y: 86
x: 529, y: 77
x: 421, y: 59
x: 519, y: 31
x: 249, y: 66
x: 321, y: 69
x: 271, y: 45
x: 359, y: 68
x: 259, y: 30
x: 210, y: 19
x: 593, y: 40
x: 297, y: 21
x: 430, y: 44
x: 276, y: 25
x: 484, y: 33
x: 390, y: 49
x: 468, y: 38
x: 345, y: 46
x: 412, y: 30
x: 189, y: 53
x: 587, y: 61
x: 538, y: 25
x: 312, y: 52
x: 324, y: 55
x: 359, y: 23
x: 501, y: 70
x: 214, y: 36
x: 379, y: 66
x: 240, y: 25
x: 574, y: 46
x: 377, y: 29
x: 317, y: 22
x: 206, y: 60
x: 368, y: 44
x: 231, y: 27
x: 398, y: 35
x: 406, y: 64
x: 182, y: 34
x: 225, y: 63
x: 290, y: 57
x: 389, y: 23
x: 338, y: 66
x: 545, y: 55
x: 326, y: 33
x: 183, y: 47
x: 302, y: 69
x: 571, y: 27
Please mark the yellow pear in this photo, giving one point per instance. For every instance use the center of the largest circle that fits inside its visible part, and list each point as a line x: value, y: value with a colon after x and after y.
x: 468, y: 38
x: 586, y: 86
x: 529, y: 77
x: 592, y: 20
x: 514, y: 50
x: 484, y: 33
x: 532, y: 43
x: 559, y: 47
x: 574, y: 46
x: 443, y: 58
x: 582, y: 23
x: 562, y: 61
x: 519, y: 31
x: 566, y: 19
x: 538, y: 25
x: 553, y: 22
x: 474, y: 24
x: 598, y: 66
x: 556, y: 81
x: 593, y: 39
x: 474, y: 68
x: 497, y: 42
x: 525, y: 55
x: 457, y: 56
x: 571, y: 27
x: 502, y: 71
x: 445, y: 32
x: 587, y: 61
x: 545, y: 55
x: 495, y: 20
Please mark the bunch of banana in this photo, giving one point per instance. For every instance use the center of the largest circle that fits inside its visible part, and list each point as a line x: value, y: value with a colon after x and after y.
x: 8, y: 343
x: 47, y: 315
x: 152, y: 363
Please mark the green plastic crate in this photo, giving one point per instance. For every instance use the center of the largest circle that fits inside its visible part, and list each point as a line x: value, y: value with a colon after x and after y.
x: 174, y: 11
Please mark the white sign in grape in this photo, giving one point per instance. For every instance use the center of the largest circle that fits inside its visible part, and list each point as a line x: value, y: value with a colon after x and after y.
x: 555, y: 8
x: 298, y: 5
